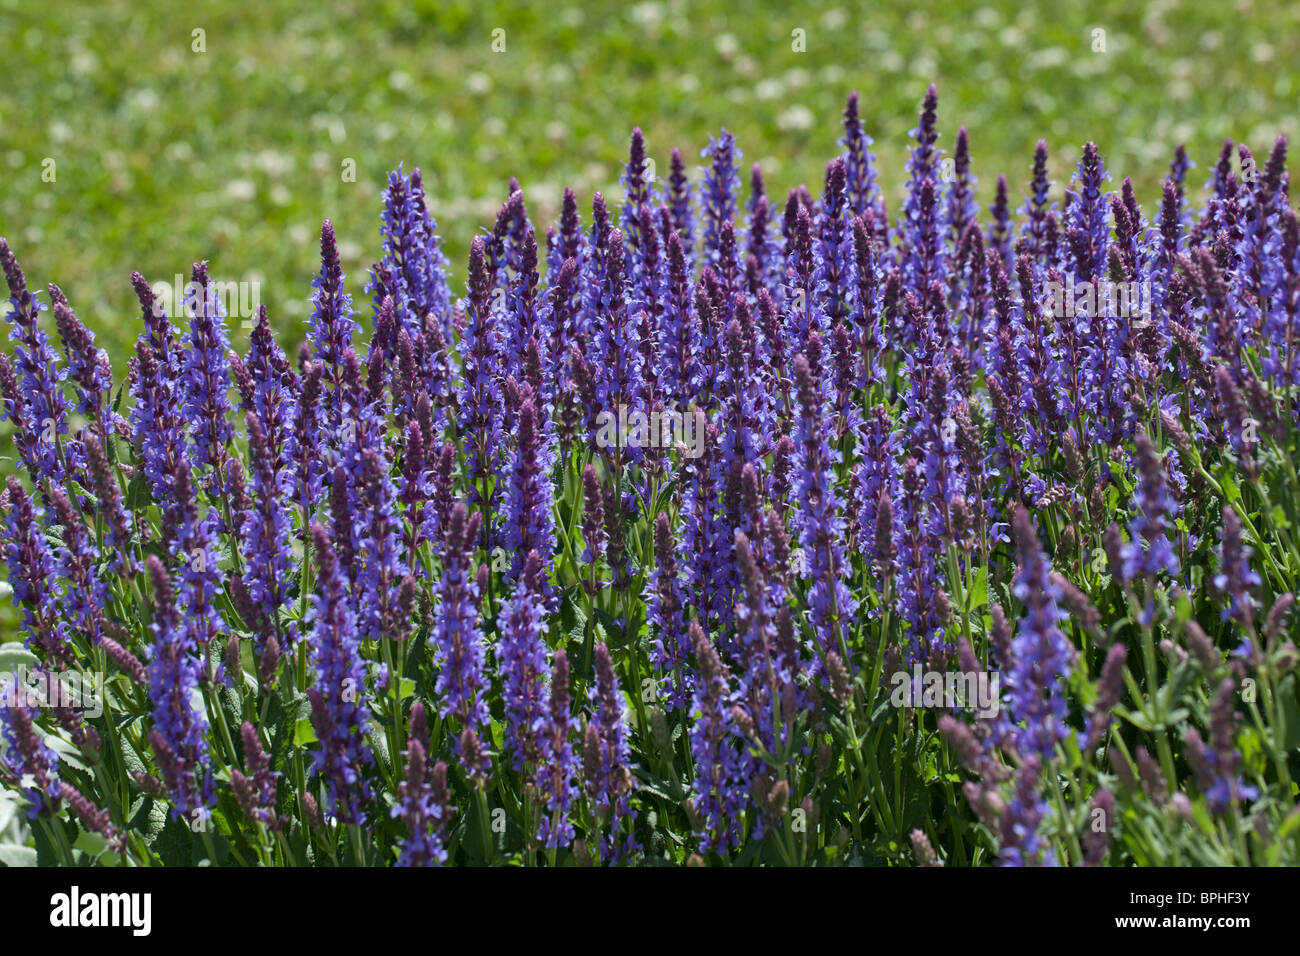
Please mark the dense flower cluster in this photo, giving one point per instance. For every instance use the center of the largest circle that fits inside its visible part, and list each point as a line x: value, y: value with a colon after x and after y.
x: 720, y: 526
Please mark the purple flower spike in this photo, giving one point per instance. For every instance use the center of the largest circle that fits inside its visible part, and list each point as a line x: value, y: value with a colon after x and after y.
x: 720, y: 190
x: 528, y: 525
x: 820, y: 515
x: 423, y: 804
x: 1216, y: 763
x: 480, y: 399
x: 159, y: 429
x: 722, y: 774
x: 256, y: 793
x: 1041, y: 656
x: 332, y: 324
x: 33, y: 576
x: 606, y: 772
x: 556, y: 774
x: 265, y: 531
x: 858, y: 161
x: 1149, y: 551
x: 338, y: 700
x: 178, y: 733
x: 413, y: 256
x: 39, y: 375
x: 1236, y: 580
x: 457, y: 638
x: 522, y: 663
x: 26, y: 761
x: 87, y: 366
x: 207, y: 373
x: 666, y: 613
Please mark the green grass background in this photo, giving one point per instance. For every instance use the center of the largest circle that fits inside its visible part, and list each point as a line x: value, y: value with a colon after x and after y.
x: 164, y: 155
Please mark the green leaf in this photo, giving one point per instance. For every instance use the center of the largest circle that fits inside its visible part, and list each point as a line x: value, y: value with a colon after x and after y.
x: 1278, y: 518
x: 979, y: 589
x: 1231, y: 492
x: 284, y: 716
x: 1252, y: 750
x: 91, y: 844
x: 669, y: 790
x: 13, y: 655
x: 1289, y: 702
x: 68, y: 752
x: 17, y: 856
x: 303, y: 733
x: 138, y: 498
x: 379, y: 744
x: 1181, y: 678
x: 232, y: 703
x: 176, y: 843
x: 1134, y: 717
x: 148, y: 818
x: 130, y: 759
x: 1289, y: 826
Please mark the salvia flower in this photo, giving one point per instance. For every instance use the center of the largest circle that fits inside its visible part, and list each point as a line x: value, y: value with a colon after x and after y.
x: 1022, y: 843
x: 1150, y: 551
x: 1236, y: 580
x: 193, y: 541
x: 1217, y: 762
x: 117, y: 521
x: 457, y: 638
x: 378, y: 546
x: 88, y: 366
x: 26, y: 758
x: 722, y: 774
x: 33, y: 575
x: 606, y: 760
x: 85, y: 596
x: 860, y: 179
x: 521, y: 657
x: 528, y: 525
x: 179, y: 728
x: 718, y: 194
x: 256, y: 791
x: 895, y: 425
x: 332, y: 325
x: 265, y: 531
x: 39, y: 373
x: 160, y: 434
x: 666, y: 609
x: 340, y: 712
x: 413, y: 254
x: 273, y: 386
x: 1040, y: 656
x: 555, y: 779
x: 423, y: 800
x: 1110, y: 690
x: 480, y: 402
x: 207, y: 373
x: 820, y: 519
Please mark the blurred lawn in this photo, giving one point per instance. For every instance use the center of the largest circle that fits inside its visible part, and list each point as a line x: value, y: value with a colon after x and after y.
x: 164, y: 155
